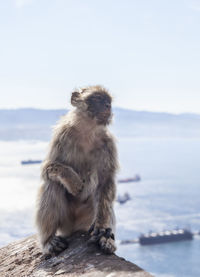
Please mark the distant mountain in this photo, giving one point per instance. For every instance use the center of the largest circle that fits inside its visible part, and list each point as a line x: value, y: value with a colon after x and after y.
x: 155, y: 124
x: 29, y: 123
x: 36, y: 124
x: 29, y: 116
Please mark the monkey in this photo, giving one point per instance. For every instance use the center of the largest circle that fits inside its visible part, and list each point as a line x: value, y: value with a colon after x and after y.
x: 78, y: 176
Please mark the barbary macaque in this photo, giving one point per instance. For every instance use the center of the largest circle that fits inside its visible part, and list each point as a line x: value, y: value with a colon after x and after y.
x: 78, y: 174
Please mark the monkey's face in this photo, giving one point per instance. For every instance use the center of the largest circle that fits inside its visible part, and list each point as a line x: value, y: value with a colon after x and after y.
x: 99, y: 107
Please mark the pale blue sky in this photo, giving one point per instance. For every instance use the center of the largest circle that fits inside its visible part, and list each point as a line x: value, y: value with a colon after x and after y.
x: 146, y: 52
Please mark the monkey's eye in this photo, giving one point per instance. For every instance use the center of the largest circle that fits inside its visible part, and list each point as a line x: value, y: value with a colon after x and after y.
x: 107, y: 105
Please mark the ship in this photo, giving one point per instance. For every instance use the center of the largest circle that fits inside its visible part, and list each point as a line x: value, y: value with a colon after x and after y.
x: 136, y: 178
x: 162, y: 237
x: 31, y: 162
x: 123, y: 198
x: 166, y: 236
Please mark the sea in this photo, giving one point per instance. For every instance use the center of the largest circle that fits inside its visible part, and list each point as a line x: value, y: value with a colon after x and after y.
x: 166, y: 198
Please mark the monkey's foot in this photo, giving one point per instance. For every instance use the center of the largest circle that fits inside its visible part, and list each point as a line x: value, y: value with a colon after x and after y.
x: 56, y: 245
x: 105, y: 239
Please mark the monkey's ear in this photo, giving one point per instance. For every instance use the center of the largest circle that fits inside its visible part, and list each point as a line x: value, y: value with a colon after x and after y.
x: 76, y: 98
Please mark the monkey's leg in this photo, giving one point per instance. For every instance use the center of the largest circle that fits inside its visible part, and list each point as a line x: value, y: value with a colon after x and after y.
x: 67, y: 176
x: 52, y: 209
x: 103, y: 232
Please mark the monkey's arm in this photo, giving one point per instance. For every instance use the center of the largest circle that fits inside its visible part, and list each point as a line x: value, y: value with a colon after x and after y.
x: 104, y: 226
x: 66, y: 176
x: 107, y: 188
x: 106, y: 193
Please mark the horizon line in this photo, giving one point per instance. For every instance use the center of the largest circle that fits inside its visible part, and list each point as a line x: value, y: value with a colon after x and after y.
x: 115, y: 107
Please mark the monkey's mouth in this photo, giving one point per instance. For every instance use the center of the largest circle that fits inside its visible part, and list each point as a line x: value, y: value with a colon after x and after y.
x: 104, y: 118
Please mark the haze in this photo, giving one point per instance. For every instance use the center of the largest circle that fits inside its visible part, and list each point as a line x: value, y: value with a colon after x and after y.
x: 145, y: 52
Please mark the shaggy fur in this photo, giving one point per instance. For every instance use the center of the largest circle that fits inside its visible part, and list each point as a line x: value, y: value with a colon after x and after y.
x: 78, y: 175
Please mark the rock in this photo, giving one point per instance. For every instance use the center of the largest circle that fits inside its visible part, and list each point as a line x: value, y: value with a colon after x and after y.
x: 24, y: 259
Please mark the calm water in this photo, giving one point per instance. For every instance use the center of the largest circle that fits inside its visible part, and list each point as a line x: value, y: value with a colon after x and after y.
x: 168, y: 196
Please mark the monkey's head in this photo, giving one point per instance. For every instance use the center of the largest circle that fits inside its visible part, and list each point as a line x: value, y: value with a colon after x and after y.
x: 95, y: 101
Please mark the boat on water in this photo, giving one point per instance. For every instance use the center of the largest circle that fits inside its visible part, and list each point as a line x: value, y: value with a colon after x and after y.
x: 31, y: 162
x: 162, y: 237
x: 136, y: 178
x: 166, y: 236
x: 123, y: 198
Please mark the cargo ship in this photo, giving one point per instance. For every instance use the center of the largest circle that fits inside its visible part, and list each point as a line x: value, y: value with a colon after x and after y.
x: 31, y: 162
x: 167, y: 236
x: 162, y: 237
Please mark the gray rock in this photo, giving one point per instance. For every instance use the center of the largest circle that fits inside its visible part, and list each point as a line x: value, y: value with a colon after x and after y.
x: 24, y: 259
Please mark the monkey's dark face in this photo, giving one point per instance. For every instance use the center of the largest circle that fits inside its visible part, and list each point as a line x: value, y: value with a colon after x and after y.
x: 99, y: 107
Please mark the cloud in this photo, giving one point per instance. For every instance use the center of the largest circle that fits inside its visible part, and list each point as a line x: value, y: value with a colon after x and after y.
x: 22, y: 3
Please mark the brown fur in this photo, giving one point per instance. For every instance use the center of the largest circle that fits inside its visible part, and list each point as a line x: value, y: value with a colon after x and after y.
x: 78, y: 174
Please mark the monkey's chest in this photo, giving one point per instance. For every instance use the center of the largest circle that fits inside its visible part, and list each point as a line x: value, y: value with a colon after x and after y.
x: 83, y: 160
x: 90, y: 163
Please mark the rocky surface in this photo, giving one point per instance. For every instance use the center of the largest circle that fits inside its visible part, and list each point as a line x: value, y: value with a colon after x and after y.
x: 24, y: 259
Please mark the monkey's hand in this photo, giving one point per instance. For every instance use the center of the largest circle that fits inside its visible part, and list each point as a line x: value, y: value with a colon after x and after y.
x: 67, y: 176
x: 105, y: 238
x: 54, y: 170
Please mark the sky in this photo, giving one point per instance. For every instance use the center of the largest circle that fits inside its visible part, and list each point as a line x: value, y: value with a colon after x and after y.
x: 146, y: 52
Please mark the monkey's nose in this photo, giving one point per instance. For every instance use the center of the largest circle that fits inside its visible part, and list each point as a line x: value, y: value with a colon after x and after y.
x: 108, y: 112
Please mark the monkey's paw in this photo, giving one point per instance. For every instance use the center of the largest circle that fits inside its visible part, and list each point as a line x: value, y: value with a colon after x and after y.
x: 55, y: 246
x: 105, y: 239
x: 76, y: 187
x: 54, y: 170
x: 107, y: 245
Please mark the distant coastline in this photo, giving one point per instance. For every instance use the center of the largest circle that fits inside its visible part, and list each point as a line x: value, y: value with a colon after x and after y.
x: 36, y: 124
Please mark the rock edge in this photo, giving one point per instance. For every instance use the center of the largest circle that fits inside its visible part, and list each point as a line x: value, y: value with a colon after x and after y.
x: 24, y: 259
